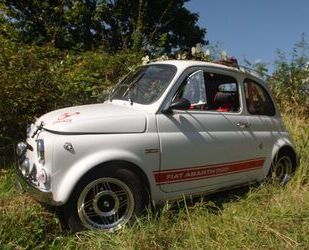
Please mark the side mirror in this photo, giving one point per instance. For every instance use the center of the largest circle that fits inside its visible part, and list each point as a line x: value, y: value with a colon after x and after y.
x: 180, y: 104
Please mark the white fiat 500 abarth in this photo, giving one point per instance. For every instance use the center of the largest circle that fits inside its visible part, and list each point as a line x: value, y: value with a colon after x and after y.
x: 169, y: 129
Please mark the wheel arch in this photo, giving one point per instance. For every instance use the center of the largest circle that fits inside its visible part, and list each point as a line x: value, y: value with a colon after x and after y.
x: 286, y: 149
x: 121, y: 164
x: 76, y: 173
x: 125, y: 172
x: 283, y: 148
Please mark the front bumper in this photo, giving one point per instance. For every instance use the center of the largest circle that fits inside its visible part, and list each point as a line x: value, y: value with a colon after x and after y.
x: 38, y: 194
x: 26, y: 171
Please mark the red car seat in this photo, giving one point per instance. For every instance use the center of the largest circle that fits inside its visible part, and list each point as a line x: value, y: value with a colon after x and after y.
x: 225, y: 101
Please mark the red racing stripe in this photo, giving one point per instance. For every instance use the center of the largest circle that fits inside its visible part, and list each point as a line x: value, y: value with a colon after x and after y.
x: 203, y: 172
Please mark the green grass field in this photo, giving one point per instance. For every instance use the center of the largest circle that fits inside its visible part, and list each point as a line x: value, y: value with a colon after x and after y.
x: 260, y: 217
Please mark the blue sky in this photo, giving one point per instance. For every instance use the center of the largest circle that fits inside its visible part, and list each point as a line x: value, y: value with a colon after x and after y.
x: 253, y: 29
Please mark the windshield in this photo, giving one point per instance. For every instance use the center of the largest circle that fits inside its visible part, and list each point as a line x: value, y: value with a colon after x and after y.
x: 145, y: 85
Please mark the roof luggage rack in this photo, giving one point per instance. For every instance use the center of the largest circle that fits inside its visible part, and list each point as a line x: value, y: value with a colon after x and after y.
x: 230, y: 61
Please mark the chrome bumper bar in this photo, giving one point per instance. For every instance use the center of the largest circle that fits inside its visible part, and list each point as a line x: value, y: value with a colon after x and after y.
x: 40, y: 195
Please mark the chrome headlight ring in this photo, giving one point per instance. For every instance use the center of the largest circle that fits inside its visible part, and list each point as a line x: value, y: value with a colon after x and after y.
x: 41, y: 151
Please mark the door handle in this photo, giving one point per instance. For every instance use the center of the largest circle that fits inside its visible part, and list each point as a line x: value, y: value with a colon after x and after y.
x: 243, y: 124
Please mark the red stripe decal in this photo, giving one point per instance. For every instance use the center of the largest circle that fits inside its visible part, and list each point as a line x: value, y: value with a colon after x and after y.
x: 207, y: 171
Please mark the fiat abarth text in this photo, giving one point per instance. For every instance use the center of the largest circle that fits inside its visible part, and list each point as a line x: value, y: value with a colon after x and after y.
x: 169, y: 129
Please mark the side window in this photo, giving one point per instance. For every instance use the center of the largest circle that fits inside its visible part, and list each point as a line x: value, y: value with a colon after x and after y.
x: 257, y: 99
x: 211, y: 92
x: 222, y: 93
x: 193, y: 89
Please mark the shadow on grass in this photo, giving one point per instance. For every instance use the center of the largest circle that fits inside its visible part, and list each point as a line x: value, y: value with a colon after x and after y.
x: 214, y: 203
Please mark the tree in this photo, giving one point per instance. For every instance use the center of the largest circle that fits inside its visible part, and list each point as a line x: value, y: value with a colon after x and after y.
x: 155, y: 26
x: 63, y: 23
x: 160, y: 25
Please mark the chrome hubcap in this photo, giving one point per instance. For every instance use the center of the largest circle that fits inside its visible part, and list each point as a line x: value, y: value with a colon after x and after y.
x: 106, y: 203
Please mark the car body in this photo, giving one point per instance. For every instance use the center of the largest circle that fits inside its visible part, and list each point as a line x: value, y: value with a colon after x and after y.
x: 170, y: 129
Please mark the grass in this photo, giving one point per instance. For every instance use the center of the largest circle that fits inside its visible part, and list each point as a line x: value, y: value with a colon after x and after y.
x: 262, y: 217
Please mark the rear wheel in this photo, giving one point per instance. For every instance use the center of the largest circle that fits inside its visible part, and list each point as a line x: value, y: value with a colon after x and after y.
x: 282, y: 169
x: 105, y: 202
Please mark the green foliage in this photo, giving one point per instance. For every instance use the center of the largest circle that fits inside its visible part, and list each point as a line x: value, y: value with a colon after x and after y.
x: 290, y: 80
x: 35, y: 80
x: 64, y: 24
x: 23, y: 221
x: 114, y: 25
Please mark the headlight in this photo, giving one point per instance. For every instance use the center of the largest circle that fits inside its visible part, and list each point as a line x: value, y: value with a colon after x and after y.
x: 21, y: 148
x: 41, y: 151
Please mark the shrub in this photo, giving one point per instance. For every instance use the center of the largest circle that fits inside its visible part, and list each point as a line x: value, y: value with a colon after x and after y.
x: 290, y: 80
x: 35, y: 80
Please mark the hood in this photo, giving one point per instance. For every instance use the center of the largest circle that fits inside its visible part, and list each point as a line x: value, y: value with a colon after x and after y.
x: 95, y: 118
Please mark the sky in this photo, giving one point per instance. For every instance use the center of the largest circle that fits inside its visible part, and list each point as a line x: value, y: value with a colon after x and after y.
x: 253, y: 29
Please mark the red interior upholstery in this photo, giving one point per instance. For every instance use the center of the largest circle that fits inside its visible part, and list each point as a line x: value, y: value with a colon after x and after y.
x: 225, y: 101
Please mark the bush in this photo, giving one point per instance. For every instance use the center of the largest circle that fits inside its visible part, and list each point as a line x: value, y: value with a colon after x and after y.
x: 35, y: 80
x: 290, y: 80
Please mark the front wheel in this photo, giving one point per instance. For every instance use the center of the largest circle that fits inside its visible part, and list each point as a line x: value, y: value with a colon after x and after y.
x: 107, y: 202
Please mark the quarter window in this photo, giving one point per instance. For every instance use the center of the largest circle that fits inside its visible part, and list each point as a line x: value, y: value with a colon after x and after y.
x: 194, y: 90
x: 257, y: 99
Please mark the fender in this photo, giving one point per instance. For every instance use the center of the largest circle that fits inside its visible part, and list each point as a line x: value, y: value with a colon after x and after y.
x: 63, y: 189
x: 280, y: 143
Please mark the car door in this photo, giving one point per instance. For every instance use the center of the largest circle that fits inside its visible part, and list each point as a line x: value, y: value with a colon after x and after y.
x: 264, y: 124
x: 203, y: 148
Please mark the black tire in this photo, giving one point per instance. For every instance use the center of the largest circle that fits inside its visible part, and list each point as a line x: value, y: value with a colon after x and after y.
x: 282, y: 169
x: 99, y: 200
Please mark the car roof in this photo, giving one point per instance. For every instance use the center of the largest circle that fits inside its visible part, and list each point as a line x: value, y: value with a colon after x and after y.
x: 183, y: 64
